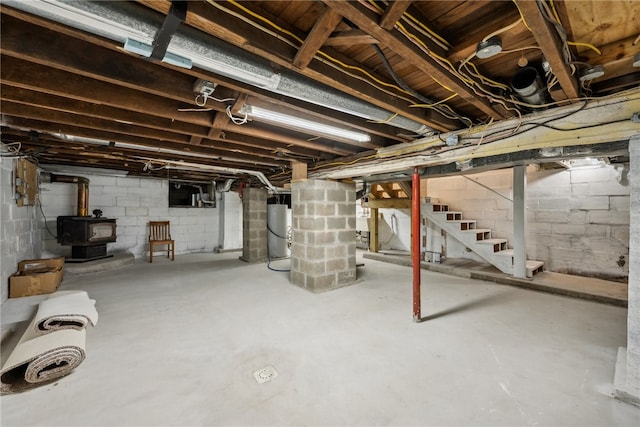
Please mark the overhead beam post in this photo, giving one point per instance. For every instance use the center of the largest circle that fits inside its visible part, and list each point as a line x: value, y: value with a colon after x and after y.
x: 519, y: 222
x: 415, y: 243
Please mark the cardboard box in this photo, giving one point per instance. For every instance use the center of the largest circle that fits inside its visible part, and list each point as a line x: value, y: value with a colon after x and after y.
x: 36, y: 276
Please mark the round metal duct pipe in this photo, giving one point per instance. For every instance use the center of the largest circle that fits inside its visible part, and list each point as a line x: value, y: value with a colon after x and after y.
x: 528, y: 85
x: 120, y: 21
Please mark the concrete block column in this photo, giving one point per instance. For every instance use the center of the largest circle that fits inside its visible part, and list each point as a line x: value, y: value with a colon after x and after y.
x: 627, y: 377
x: 323, y: 251
x: 254, y: 225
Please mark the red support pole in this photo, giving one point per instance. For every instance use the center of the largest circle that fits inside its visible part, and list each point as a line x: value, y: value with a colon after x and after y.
x: 415, y: 242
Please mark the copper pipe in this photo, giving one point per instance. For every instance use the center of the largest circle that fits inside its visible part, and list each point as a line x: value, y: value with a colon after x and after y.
x: 83, y: 191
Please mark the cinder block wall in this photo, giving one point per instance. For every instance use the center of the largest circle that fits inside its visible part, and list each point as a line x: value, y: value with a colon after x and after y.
x: 633, y: 315
x: 133, y: 202
x: 323, y: 248
x: 254, y: 225
x: 578, y: 219
x: 20, y: 232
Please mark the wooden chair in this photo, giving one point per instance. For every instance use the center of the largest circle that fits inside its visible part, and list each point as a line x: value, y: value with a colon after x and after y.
x: 160, y: 234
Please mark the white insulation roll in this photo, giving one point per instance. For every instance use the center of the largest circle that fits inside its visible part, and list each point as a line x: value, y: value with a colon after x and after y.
x: 277, y: 231
x: 53, y: 344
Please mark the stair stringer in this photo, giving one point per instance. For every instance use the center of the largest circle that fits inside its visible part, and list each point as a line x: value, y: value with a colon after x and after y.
x: 480, y: 241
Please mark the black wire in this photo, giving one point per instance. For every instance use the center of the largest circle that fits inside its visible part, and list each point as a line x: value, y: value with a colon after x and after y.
x: 45, y: 220
x: 419, y: 96
x: 532, y: 126
x: 268, y: 257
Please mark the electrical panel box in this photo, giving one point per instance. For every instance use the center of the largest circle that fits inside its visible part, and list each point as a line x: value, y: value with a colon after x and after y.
x: 26, y: 183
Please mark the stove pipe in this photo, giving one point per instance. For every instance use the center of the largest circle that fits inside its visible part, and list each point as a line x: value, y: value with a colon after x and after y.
x: 83, y: 190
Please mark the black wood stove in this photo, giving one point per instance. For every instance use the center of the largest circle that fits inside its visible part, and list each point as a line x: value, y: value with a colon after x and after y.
x: 87, y: 235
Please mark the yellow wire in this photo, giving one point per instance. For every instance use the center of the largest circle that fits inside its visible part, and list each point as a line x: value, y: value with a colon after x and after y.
x: 393, y: 116
x: 347, y: 163
x: 435, y: 103
x: 486, y: 78
x: 522, y: 16
x: 427, y: 29
x: 590, y: 46
x: 502, y: 30
x: 555, y: 13
x: 329, y: 57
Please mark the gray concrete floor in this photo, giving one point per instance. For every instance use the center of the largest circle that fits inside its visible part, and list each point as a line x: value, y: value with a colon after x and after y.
x: 177, y: 344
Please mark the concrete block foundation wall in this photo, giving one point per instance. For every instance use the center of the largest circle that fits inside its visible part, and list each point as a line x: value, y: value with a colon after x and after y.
x: 323, y: 252
x: 20, y: 232
x: 254, y: 225
x: 133, y: 202
x: 632, y: 386
x: 578, y: 218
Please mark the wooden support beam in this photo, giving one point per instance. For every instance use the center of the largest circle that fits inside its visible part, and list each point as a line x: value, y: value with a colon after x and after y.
x: 390, y: 203
x: 549, y: 41
x: 393, y: 13
x: 318, y: 35
x: 406, y: 187
x: 220, y: 121
x: 298, y: 171
x: 374, y: 221
x: 350, y: 37
x: 388, y: 188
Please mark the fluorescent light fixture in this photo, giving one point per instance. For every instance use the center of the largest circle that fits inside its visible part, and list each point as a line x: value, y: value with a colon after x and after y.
x: 144, y: 49
x: 303, y: 125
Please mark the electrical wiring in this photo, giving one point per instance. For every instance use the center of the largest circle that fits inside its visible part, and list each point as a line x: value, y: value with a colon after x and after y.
x: 524, y: 21
x: 352, y: 162
x: 11, y: 149
x: 589, y: 45
x: 428, y: 102
x: 388, y: 120
x: 502, y: 30
x: 435, y: 103
x: 427, y: 29
x: 236, y: 120
x: 301, y: 42
x: 46, y: 224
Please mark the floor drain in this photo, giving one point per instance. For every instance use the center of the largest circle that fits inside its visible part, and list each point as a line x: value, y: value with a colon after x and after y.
x: 265, y: 374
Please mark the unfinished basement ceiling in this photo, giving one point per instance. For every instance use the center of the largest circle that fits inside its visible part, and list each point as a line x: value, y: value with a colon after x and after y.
x: 78, y: 90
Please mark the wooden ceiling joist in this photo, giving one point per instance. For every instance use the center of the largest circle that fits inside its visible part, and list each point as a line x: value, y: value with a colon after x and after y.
x: 393, y: 13
x: 317, y: 37
x: 367, y: 21
x: 552, y: 46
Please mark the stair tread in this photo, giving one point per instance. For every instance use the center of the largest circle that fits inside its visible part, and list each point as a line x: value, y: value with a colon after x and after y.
x: 492, y: 241
x: 476, y: 230
x: 532, y: 264
x: 506, y: 252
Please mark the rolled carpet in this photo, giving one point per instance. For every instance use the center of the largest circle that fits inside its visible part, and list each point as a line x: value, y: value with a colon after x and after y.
x: 66, y: 310
x: 38, y: 359
x: 53, y: 344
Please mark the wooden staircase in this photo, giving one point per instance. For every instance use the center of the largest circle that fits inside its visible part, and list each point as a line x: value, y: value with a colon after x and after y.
x: 479, y: 240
